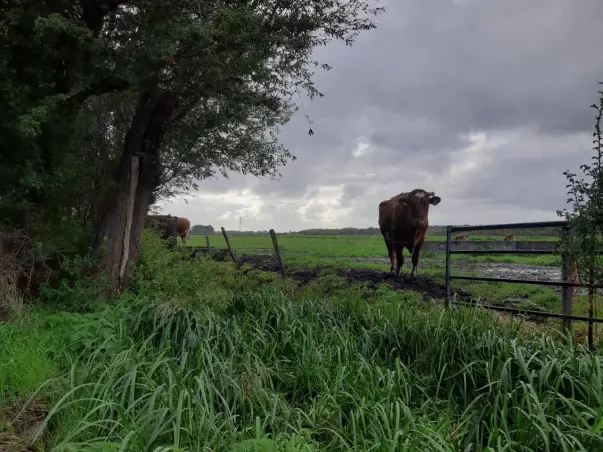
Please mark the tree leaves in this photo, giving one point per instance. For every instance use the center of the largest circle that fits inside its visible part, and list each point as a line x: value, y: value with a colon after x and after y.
x: 70, y: 75
x: 586, y: 218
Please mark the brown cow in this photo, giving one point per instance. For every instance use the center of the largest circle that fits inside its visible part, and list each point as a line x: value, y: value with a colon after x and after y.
x: 164, y: 224
x: 508, y: 236
x: 403, y: 222
x: 183, y: 229
x: 461, y: 236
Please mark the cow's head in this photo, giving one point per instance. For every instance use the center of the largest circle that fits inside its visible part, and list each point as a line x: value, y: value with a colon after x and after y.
x: 418, y: 201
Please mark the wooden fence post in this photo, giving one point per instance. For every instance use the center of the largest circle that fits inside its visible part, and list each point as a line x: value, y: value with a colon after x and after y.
x: 207, y: 243
x: 228, y: 245
x: 277, y: 250
x: 567, y: 293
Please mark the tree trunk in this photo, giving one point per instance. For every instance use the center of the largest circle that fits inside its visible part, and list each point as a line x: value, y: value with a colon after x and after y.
x: 122, y: 219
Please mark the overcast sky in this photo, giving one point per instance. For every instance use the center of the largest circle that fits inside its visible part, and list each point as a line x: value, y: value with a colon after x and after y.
x: 485, y: 102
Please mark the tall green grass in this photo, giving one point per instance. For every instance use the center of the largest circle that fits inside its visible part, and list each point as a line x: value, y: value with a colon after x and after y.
x: 26, y: 357
x: 329, y: 374
x: 205, y: 358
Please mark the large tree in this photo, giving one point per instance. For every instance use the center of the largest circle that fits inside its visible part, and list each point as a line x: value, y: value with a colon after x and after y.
x: 217, y: 81
x: 121, y: 101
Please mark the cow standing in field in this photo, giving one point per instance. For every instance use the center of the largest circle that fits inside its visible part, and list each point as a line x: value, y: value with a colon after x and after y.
x: 183, y: 228
x: 403, y: 223
x: 508, y: 236
x: 461, y: 236
x: 164, y: 224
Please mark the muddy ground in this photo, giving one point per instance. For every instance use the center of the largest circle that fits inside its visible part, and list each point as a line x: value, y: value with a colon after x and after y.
x: 489, y: 269
x: 428, y: 287
x: 370, y: 277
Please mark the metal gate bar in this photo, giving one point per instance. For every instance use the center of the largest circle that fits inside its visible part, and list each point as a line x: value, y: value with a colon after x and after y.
x: 566, y: 316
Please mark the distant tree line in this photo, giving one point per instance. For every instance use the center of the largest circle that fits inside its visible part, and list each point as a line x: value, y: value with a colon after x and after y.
x: 201, y: 229
x: 370, y: 231
x: 433, y: 230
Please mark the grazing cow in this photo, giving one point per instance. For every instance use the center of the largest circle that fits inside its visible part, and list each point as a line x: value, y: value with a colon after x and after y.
x: 461, y: 236
x: 164, y: 224
x: 183, y: 228
x: 403, y: 222
x: 508, y: 236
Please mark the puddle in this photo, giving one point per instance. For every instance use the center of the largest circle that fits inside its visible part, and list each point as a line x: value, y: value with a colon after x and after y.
x: 521, y: 271
x: 503, y: 270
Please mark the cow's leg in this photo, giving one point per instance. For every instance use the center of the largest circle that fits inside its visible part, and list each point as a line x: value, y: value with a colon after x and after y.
x: 392, y: 257
x: 415, y: 260
x: 183, y: 237
x: 390, y: 251
x: 399, y: 258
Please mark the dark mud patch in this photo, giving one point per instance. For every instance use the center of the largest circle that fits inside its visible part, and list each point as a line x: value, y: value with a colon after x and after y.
x: 266, y: 262
x: 19, y: 424
x: 385, y: 260
x: 369, y: 277
x: 373, y: 278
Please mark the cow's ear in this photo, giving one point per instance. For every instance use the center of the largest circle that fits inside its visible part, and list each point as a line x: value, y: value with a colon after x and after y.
x: 403, y: 200
x: 434, y: 200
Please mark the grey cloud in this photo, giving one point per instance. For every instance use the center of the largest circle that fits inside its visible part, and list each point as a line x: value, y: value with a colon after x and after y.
x: 529, y: 173
x: 418, y: 85
x: 352, y: 193
x: 483, y: 65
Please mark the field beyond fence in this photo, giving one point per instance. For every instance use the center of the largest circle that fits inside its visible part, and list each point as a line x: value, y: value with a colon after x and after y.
x: 350, y: 245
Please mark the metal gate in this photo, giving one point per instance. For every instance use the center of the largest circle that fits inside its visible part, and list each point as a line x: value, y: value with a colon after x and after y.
x: 565, y: 283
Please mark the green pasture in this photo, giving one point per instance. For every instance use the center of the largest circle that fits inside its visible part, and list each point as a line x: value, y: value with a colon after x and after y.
x: 295, y: 242
x: 320, y: 249
x: 199, y: 356
x: 432, y: 264
x: 325, y: 245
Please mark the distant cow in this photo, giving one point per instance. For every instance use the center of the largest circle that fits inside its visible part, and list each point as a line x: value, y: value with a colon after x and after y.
x: 183, y: 229
x: 508, y: 236
x: 461, y: 236
x: 164, y: 225
x: 403, y: 222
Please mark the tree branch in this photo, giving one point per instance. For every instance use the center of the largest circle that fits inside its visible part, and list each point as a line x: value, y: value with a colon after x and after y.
x: 105, y: 86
